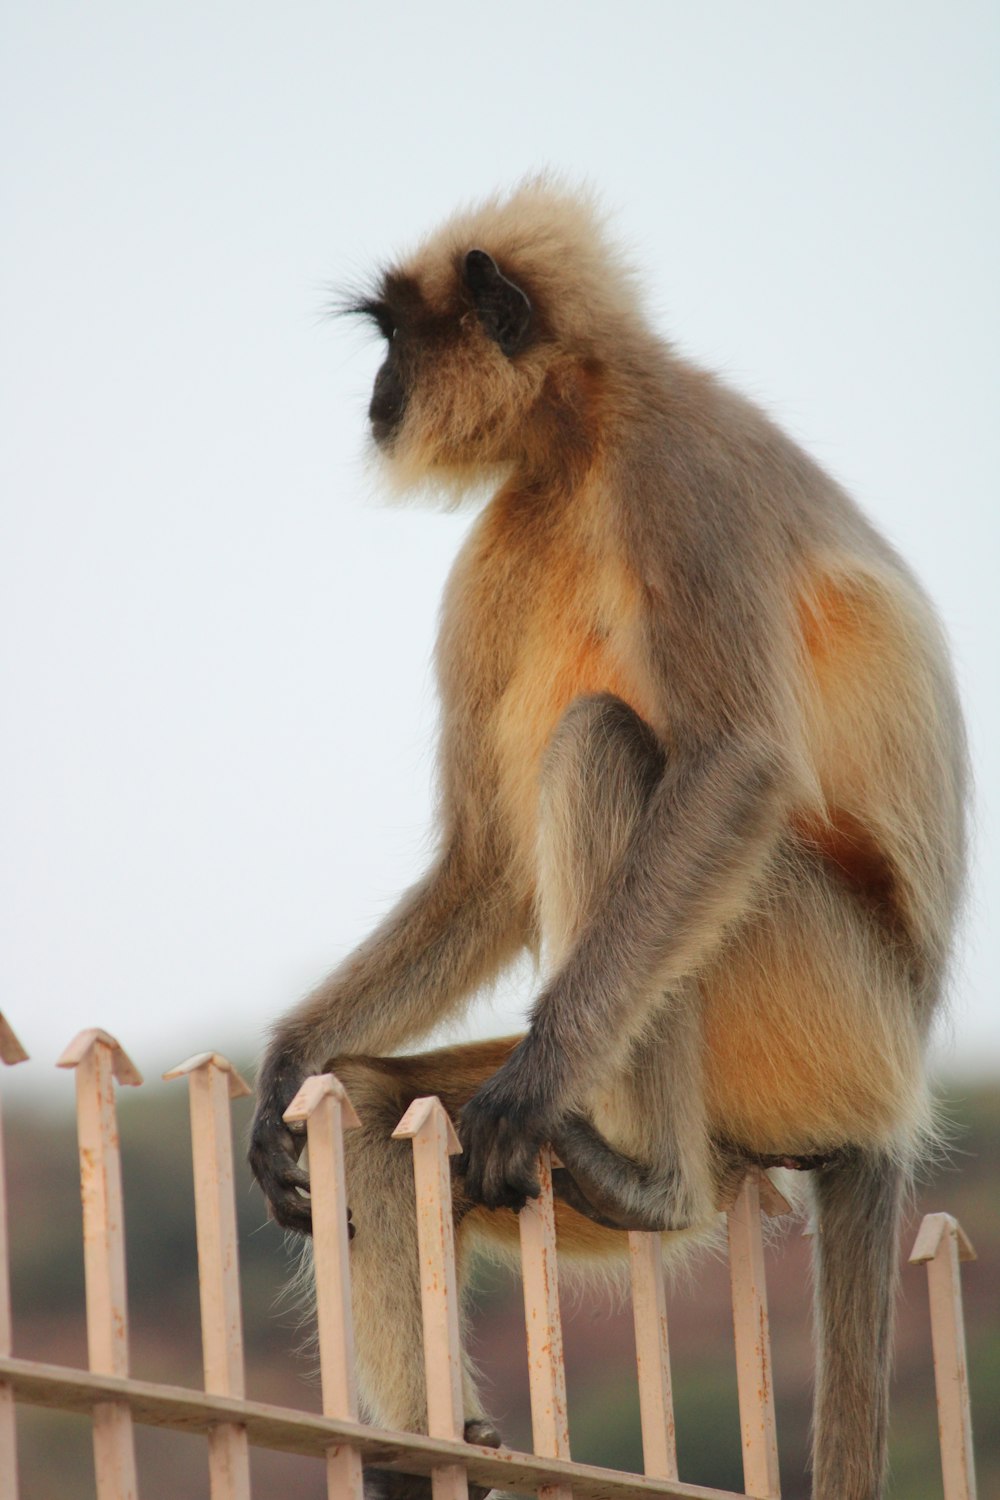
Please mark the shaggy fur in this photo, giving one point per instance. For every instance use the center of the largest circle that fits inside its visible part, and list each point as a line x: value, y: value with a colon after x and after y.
x: 700, y: 744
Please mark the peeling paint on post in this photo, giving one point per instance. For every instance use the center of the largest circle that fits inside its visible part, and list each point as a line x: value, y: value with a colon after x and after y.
x: 322, y: 1105
x: 426, y: 1123
x: 99, y: 1060
x: 546, y: 1372
x: 940, y: 1244
x: 114, y: 1400
x: 212, y: 1082
x: 753, y: 1344
x: 652, y: 1352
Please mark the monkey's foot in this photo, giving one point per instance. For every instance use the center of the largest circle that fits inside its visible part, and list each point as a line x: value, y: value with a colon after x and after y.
x: 481, y: 1430
x: 387, y: 1484
x: 613, y: 1190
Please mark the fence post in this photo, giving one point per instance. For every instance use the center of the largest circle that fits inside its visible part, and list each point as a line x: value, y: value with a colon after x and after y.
x: 427, y: 1125
x: 98, y: 1059
x: 323, y: 1106
x: 652, y: 1351
x: 753, y: 1342
x: 11, y: 1052
x: 212, y: 1083
x: 543, y: 1322
x: 940, y: 1244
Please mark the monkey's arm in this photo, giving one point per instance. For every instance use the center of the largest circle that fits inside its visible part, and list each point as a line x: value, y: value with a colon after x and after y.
x: 689, y: 870
x: 448, y: 934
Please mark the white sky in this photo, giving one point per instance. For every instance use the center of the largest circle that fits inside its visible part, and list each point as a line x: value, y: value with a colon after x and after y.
x: 219, y: 718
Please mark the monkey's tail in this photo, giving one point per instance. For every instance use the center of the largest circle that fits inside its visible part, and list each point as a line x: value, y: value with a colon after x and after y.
x: 859, y: 1204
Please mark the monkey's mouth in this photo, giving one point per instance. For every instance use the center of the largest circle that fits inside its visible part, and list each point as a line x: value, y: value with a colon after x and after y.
x: 388, y: 403
x: 384, y: 429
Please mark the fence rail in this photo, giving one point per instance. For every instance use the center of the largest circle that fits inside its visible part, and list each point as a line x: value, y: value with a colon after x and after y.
x: 231, y: 1423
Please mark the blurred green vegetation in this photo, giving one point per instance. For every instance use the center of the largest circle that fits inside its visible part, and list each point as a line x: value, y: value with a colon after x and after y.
x: 49, y: 1322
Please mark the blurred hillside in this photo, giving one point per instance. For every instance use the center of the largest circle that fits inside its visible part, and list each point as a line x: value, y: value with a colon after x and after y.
x: 47, y: 1277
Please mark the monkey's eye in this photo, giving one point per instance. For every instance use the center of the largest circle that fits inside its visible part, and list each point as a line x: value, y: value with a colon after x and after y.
x: 379, y: 314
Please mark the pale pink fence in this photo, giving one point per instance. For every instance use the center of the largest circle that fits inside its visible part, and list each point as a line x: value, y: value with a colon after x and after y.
x: 231, y: 1423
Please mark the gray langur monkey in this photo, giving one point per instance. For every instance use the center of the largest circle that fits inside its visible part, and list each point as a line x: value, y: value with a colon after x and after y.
x: 700, y: 745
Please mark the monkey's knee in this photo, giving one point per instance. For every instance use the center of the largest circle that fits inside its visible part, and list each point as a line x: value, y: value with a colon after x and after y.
x: 379, y: 1168
x: 599, y: 734
x: 598, y: 774
x: 375, y: 1095
x: 599, y: 771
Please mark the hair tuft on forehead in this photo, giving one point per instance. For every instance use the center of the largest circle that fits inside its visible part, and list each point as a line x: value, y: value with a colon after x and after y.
x: 547, y: 235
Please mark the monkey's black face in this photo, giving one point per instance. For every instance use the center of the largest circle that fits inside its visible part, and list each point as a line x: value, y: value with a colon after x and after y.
x: 388, y: 403
x: 417, y: 333
x: 397, y: 299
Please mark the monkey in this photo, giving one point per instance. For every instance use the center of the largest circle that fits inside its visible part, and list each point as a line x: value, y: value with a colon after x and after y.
x: 701, y: 755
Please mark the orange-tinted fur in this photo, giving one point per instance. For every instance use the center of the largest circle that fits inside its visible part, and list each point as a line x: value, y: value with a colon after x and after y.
x: 776, y: 1041
x: 574, y: 616
x: 701, y: 748
x: 774, y: 1044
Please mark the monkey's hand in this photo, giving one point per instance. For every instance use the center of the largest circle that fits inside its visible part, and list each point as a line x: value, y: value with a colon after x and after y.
x: 502, y: 1129
x: 275, y: 1147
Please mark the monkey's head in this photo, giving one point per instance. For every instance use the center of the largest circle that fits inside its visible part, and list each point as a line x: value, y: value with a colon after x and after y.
x: 500, y: 329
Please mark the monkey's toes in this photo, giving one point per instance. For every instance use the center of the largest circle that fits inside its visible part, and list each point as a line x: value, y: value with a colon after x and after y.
x: 291, y: 1211
x: 481, y: 1430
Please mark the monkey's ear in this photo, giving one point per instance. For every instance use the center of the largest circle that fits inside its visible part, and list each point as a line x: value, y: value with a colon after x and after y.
x: 503, y: 308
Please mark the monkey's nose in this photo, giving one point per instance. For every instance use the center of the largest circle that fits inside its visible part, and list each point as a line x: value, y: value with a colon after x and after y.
x: 385, y: 411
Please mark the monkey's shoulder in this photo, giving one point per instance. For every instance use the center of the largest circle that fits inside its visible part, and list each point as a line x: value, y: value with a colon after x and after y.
x: 861, y: 619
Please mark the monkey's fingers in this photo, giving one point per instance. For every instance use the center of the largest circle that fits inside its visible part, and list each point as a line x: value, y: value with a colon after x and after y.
x: 500, y: 1167
x: 292, y: 1176
x: 509, y: 1190
x: 291, y: 1211
x: 274, y: 1157
x: 286, y: 1202
x: 514, y: 1177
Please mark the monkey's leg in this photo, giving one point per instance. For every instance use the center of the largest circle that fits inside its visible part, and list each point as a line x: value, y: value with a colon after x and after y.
x: 857, y: 1257
x: 384, y: 1265
x: 385, y: 1274
x: 637, y: 1149
x: 642, y: 1158
x: 654, y: 854
x: 813, y: 1048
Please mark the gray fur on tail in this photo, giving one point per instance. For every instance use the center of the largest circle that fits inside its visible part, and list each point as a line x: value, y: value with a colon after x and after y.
x: 857, y: 1258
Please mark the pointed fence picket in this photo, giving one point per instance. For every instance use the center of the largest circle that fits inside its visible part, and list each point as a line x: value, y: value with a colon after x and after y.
x: 941, y: 1244
x: 212, y: 1082
x: 652, y: 1355
x: 427, y: 1125
x: 323, y: 1107
x: 231, y: 1423
x: 99, y: 1061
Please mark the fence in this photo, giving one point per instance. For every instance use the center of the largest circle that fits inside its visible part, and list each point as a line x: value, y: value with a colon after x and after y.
x: 231, y: 1422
